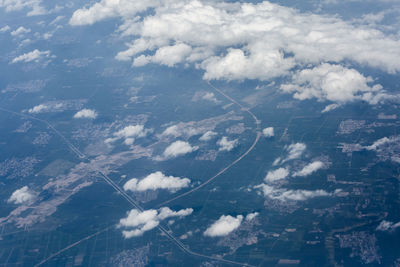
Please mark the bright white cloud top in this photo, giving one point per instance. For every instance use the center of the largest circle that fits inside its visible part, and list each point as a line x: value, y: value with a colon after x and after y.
x: 86, y: 114
x: 333, y: 83
x: 207, y: 136
x: 227, y: 145
x: 310, y: 168
x: 268, y: 132
x: 155, y: 181
x: 179, y: 148
x: 129, y: 133
x: 224, y: 226
x: 276, y: 175
x: 236, y: 41
x: 20, y: 31
x: 38, y: 109
x: 136, y: 223
x: 21, y: 196
x: 34, y: 55
x: 291, y: 195
x: 35, y: 6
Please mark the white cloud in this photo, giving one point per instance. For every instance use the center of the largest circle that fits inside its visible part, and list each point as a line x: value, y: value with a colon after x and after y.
x: 22, y: 195
x: 276, y: 175
x: 293, y: 195
x: 5, y: 29
x: 209, y: 96
x: 268, y: 132
x: 251, y: 216
x: 15, y: 5
x: 295, y: 151
x: 224, y: 226
x: 157, y: 180
x: 34, y: 55
x: 129, y: 133
x: 310, y: 168
x: 381, y: 142
x: 20, y: 31
x: 179, y: 148
x: 387, y: 226
x: 38, y: 109
x: 86, y: 113
x: 236, y: 41
x: 137, y: 222
x: 333, y: 83
x: 227, y: 145
x: 167, y: 55
x: 330, y: 107
x: 207, y: 136
x: 110, y: 8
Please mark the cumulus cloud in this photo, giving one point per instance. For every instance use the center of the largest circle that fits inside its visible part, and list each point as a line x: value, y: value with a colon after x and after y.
x: 207, y: 136
x: 35, y: 6
x: 157, y: 180
x: 268, y: 132
x: 137, y: 222
x: 294, y: 151
x: 5, y: 28
x: 236, y: 41
x: 86, y: 113
x: 387, y: 226
x: 333, y: 83
x: 251, y: 216
x: 224, y: 226
x: 34, y: 55
x: 381, y: 142
x: 20, y: 31
x: 227, y: 145
x: 178, y: 148
x: 330, y: 107
x: 276, y: 175
x: 21, y: 196
x: 291, y: 195
x: 129, y: 133
x: 38, y: 109
x: 310, y: 168
x: 167, y: 55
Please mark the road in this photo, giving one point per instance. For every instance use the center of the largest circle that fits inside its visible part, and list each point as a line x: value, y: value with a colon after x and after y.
x: 134, y: 204
x: 257, y: 122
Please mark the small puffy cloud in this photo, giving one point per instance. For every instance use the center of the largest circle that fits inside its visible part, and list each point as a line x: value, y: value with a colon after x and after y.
x: 295, y: 151
x: 86, y: 113
x: 129, y: 133
x: 167, y: 55
x: 137, y: 222
x: 207, y: 136
x: 251, y: 216
x: 224, y: 226
x: 333, y: 83
x: 38, y: 109
x: 5, y: 29
x: 227, y: 145
x: 310, y: 168
x: 22, y: 195
x: 209, y: 96
x: 178, y: 148
x: 108, y: 9
x: 268, y: 132
x: 20, y: 31
x: 276, y: 175
x: 291, y: 195
x: 330, y: 108
x: 35, y: 6
x: 34, y: 55
x: 387, y: 226
x: 381, y: 142
x: 157, y: 180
